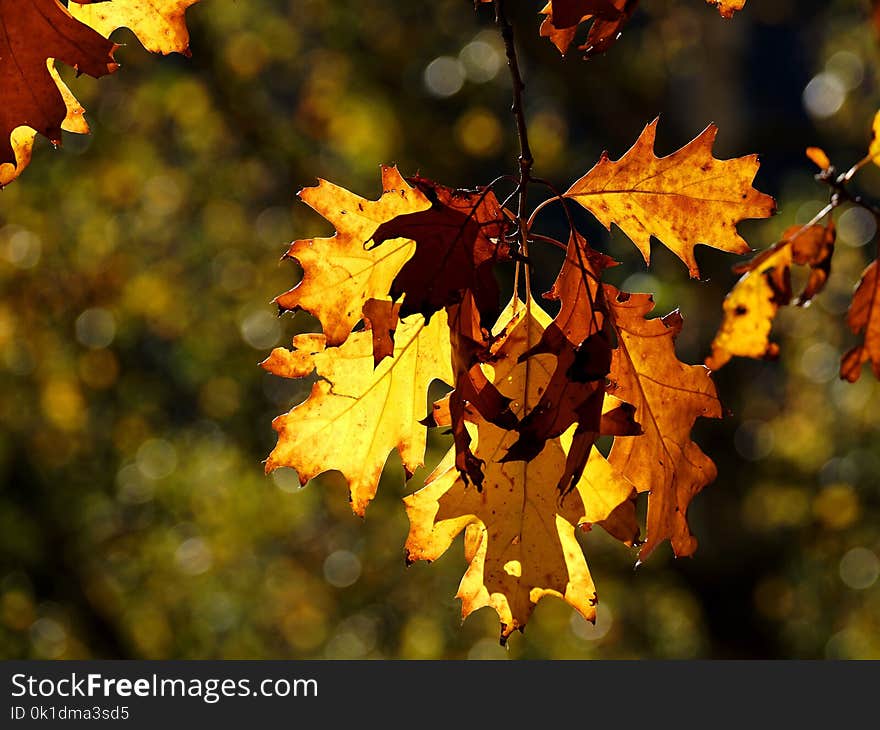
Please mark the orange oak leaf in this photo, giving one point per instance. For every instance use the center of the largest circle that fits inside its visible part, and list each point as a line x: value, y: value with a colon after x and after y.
x: 752, y: 305
x: 562, y: 20
x: 683, y: 199
x: 863, y: 319
x: 32, y: 32
x: 357, y: 413
x: 520, y: 537
x: 668, y: 396
x: 160, y: 25
x: 458, y: 239
x: 342, y: 273
x: 727, y: 7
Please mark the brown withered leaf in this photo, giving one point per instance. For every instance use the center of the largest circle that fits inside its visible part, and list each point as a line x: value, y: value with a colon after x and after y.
x: 34, y: 98
x: 472, y: 345
x: 668, y: 396
x: 458, y: 239
x: 683, y: 199
x: 22, y: 138
x: 606, y: 22
x: 520, y: 535
x: 863, y: 319
x: 357, y: 413
x: 752, y: 305
x: 575, y: 392
x: 342, y: 273
x: 382, y: 316
x: 160, y: 25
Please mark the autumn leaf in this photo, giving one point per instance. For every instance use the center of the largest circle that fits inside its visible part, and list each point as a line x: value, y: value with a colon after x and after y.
x: 520, y: 533
x: 458, y: 240
x: 606, y: 24
x: 357, y: 413
x: 727, y: 7
x: 34, y: 98
x: 750, y: 309
x: 575, y: 392
x: 684, y: 199
x: 874, y: 145
x: 752, y: 305
x: 342, y: 273
x: 818, y: 157
x: 863, y: 319
x: 668, y: 396
x: 471, y: 345
x: 160, y: 25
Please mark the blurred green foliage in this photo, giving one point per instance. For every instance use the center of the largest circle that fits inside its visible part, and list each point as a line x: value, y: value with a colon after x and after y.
x: 137, y: 267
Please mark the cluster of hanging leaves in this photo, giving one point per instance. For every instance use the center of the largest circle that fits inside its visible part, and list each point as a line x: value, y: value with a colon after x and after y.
x: 604, y: 21
x: 35, y: 35
x: 406, y: 294
x: 752, y: 305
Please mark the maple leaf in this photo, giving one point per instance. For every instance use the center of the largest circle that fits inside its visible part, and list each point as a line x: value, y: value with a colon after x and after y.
x: 341, y: 273
x: 520, y: 534
x: 31, y: 33
x: 160, y: 25
x: 668, y: 396
x: 458, y: 239
x: 684, y: 199
x: 606, y: 18
x: 357, y: 413
x: 753, y: 303
x: 863, y: 319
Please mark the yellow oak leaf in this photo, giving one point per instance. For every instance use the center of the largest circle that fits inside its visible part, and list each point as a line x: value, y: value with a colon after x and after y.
x: 356, y: 413
x: 160, y: 25
x: 341, y: 273
x: 753, y: 303
x: 668, y: 396
x: 520, y: 537
x: 683, y: 199
x: 874, y: 146
x: 749, y: 311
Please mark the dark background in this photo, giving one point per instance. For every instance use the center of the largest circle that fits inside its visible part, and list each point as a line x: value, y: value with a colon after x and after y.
x: 137, y: 267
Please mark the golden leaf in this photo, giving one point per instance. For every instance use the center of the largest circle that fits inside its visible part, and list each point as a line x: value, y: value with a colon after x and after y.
x: 520, y: 539
x: 160, y: 25
x: 874, y: 146
x: 668, y: 396
x: 357, y: 414
x: 753, y: 303
x: 684, y: 199
x: 341, y: 274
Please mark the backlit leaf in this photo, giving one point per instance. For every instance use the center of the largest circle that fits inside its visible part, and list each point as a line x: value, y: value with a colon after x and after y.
x: 684, y: 199
x: 356, y: 413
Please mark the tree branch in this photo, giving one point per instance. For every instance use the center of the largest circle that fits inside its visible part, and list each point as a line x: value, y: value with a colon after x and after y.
x: 525, y: 152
